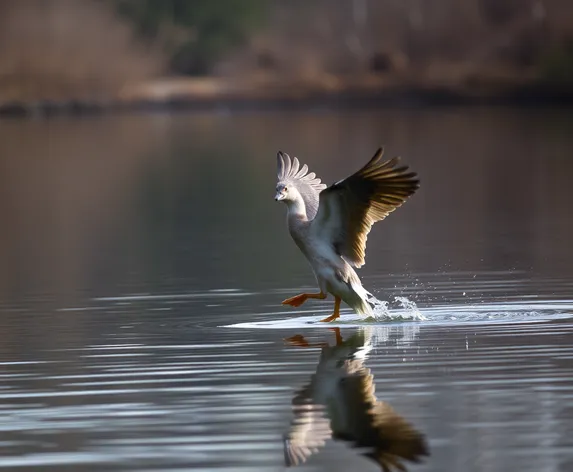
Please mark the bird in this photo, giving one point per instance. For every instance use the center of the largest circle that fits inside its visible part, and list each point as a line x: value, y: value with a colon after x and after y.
x: 340, y: 403
x: 330, y: 225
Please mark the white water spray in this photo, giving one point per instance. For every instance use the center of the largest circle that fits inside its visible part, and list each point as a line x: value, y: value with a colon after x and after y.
x: 401, y: 309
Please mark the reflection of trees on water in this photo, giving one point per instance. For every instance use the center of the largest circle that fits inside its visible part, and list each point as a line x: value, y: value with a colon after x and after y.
x: 185, y: 201
x: 65, y: 191
x: 339, y: 403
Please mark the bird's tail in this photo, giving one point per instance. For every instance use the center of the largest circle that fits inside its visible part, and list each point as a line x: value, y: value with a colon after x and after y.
x: 361, y: 302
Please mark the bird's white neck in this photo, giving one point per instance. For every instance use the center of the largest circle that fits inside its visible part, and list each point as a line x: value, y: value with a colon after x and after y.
x: 296, y: 209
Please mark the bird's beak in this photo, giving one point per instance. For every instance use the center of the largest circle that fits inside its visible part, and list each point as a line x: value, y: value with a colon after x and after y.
x: 279, y: 196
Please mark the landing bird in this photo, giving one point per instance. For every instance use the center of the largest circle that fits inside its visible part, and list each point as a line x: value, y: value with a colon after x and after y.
x: 330, y: 225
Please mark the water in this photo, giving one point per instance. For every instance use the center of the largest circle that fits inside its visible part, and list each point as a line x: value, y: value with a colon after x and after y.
x: 143, y: 262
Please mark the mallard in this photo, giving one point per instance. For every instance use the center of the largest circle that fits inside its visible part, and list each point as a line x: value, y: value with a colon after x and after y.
x: 339, y: 403
x: 330, y: 225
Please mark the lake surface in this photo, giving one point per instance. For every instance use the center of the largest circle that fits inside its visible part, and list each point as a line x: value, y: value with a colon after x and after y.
x: 143, y: 261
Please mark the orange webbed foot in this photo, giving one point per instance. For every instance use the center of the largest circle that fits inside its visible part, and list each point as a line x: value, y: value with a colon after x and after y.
x: 297, y: 300
x: 330, y: 318
x: 336, y: 313
x: 297, y: 340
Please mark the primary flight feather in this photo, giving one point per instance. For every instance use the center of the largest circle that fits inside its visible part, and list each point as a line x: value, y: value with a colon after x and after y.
x: 330, y: 225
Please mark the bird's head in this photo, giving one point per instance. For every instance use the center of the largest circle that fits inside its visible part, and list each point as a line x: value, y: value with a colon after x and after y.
x: 285, y: 192
x: 296, y: 186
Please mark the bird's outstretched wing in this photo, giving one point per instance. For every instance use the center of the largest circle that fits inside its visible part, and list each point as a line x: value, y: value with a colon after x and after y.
x: 348, y: 209
x: 373, y: 426
x: 309, y: 430
x: 396, y: 439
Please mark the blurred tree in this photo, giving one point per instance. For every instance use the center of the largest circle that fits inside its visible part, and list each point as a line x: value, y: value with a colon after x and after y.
x: 557, y: 65
x: 194, y: 33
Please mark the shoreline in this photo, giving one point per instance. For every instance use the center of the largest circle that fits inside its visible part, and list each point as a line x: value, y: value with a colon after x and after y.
x: 188, y: 95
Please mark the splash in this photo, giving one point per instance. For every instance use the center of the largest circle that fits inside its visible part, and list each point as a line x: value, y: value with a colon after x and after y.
x: 401, y: 309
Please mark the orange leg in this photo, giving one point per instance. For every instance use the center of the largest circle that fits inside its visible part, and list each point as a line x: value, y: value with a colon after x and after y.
x: 339, y: 340
x: 298, y: 340
x: 298, y: 300
x: 336, y: 313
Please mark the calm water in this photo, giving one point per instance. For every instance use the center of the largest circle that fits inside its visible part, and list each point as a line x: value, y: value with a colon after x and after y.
x: 143, y: 261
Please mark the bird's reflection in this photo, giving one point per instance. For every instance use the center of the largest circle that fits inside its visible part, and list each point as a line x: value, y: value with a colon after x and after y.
x: 339, y: 403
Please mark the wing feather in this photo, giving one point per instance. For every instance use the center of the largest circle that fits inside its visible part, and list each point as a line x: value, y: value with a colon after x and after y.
x: 348, y: 209
x: 310, y: 429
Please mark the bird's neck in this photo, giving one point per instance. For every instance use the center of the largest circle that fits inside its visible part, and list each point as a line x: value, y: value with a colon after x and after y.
x: 296, y: 210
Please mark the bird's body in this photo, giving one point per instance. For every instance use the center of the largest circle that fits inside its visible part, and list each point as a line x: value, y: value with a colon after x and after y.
x: 333, y: 274
x: 330, y: 225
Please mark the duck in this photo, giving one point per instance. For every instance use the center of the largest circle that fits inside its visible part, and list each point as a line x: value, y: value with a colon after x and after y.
x: 330, y: 224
